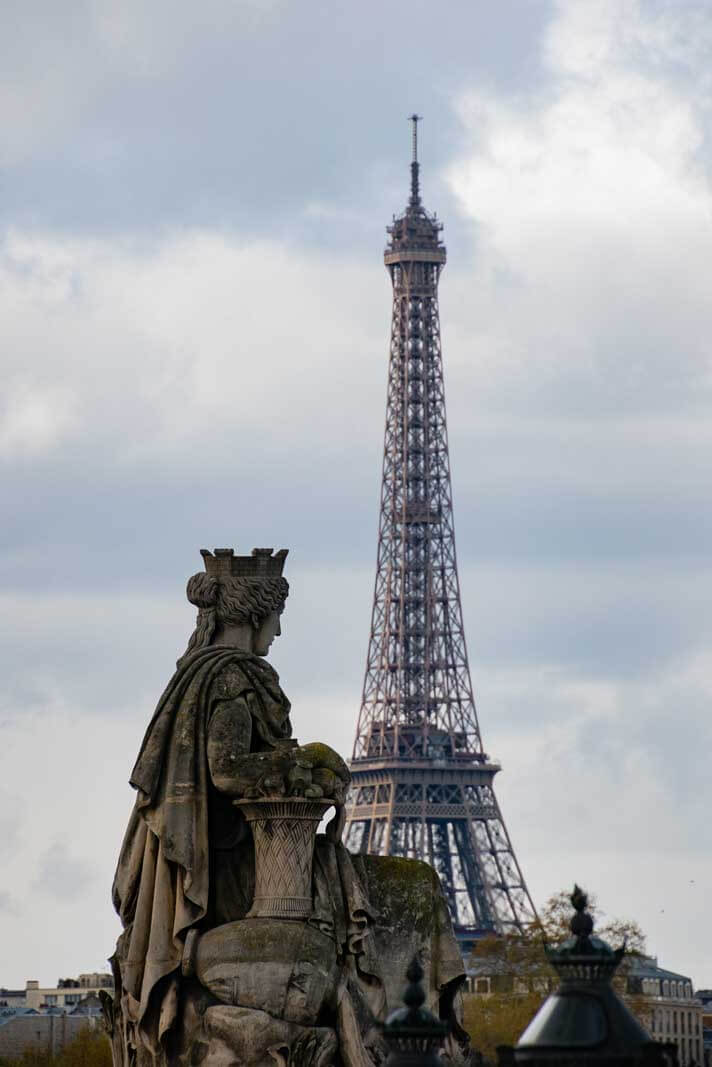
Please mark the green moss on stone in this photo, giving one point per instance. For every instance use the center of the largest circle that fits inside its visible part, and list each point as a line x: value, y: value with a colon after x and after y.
x: 403, y: 892
x: 323, y: 756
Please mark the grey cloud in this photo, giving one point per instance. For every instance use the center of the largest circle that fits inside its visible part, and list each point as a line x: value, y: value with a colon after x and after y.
x: 218, y: 118
x: 8, y: 904
x: 12, y: 816
x: 603, y: 773
x: 62, y: 874
x: 615, y: 622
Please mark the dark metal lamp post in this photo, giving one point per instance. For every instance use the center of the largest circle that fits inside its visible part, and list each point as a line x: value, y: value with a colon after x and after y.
x: 585, y: 1023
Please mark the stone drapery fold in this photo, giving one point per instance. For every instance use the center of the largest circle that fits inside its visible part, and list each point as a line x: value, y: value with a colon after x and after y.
x: 162, y: 880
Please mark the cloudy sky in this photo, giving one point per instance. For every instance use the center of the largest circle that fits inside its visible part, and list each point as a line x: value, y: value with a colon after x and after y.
x: 194, y: 318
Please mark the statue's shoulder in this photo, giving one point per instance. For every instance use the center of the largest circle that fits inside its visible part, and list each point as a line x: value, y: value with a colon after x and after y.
x: 230, y: 682
x: 241, y: 672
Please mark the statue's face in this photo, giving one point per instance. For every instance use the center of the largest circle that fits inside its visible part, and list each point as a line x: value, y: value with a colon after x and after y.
x: 264, y: 636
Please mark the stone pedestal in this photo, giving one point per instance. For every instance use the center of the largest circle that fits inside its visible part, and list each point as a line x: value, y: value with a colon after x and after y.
x: 284, y: 829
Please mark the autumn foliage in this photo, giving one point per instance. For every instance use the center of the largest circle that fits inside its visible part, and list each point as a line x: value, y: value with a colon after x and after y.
x: 90, y: 1048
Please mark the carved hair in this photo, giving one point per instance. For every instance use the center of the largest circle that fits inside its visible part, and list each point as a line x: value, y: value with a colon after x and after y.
x: 232, y: 600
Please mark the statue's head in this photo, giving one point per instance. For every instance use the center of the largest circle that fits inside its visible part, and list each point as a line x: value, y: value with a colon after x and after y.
x: 239, y: 599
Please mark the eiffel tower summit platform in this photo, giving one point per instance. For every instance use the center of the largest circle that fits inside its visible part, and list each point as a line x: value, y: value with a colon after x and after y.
x: 422, y: 785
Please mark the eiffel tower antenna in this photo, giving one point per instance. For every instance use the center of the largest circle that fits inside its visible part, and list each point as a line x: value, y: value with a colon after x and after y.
x: 414, y: 165
x: 422, y: 782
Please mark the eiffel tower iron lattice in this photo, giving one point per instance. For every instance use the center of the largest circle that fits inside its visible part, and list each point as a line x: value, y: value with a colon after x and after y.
x: 422, y: 784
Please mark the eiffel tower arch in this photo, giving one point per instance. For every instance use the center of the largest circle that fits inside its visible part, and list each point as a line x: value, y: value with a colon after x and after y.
x: 422, y: 783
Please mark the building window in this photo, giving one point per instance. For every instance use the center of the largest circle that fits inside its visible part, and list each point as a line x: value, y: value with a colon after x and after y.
x: 482, y: 985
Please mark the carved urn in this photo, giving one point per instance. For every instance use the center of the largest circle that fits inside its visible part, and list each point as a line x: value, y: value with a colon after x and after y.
x: 284, y: 831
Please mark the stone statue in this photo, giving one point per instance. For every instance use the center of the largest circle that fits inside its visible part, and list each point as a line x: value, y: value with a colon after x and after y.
x: 249, y: 938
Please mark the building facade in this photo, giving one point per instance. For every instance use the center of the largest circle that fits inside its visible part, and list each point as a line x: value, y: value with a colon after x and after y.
x: 46, y: 1018
x: 67, y: 993
x: 667, y: 1005
x: 15, y: 999
x: 705, y: 998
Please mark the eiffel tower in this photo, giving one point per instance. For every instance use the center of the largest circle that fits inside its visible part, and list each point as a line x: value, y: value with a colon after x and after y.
x: 422, y: 784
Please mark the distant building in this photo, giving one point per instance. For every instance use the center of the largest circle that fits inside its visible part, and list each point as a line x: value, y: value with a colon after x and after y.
x: 13, y: 998
x: 46, y: 1018
x: 68, y: 992
x: 494, y: 974
x: 90, y: 1005
x: 666, y: 1004
x: 705, y: 998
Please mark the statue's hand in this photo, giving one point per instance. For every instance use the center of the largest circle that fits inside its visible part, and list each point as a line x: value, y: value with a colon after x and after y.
x: 320, y: 755
x: 281, y: 771
x: 329, y: 773
x: 311, y: 771
x: 300, y: 778
x: 330, y: 784
x: 258, y: 774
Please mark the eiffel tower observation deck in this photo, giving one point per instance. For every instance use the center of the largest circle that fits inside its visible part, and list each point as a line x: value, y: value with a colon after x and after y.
x: 422, y: 783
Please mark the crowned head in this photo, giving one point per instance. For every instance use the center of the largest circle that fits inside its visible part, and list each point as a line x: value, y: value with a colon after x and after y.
x: 239, y: 599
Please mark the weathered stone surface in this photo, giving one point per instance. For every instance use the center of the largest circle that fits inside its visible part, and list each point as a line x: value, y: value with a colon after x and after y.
x: 239, y: 1037
x: 286, y: 968
x: 248, y: 938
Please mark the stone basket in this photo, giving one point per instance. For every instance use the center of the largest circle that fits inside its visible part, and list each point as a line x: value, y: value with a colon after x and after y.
x: 284, y: 830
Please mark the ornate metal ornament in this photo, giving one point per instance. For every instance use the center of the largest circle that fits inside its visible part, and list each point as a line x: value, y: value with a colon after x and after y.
x: 585, y: 1022
x: 414, y: 1035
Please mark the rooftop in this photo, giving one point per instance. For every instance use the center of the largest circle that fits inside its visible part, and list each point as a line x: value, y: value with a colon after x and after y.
x: 647, y: 967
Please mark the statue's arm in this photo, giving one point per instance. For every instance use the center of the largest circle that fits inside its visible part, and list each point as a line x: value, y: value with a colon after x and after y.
x: 229, y: 743
x: 312, y: 770
x: 234, y: 768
